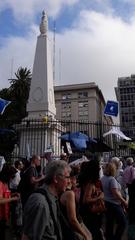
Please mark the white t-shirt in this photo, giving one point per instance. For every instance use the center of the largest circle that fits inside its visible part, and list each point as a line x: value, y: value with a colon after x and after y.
x: 15, y: 181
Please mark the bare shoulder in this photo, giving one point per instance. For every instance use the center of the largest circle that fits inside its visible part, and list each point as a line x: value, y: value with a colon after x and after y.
x: 68, y: 195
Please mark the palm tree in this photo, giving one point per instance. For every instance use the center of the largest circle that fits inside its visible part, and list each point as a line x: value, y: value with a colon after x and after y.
x: 21, y: 85
x: 19, y: 90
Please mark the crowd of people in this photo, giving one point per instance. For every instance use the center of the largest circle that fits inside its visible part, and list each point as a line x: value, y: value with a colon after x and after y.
x: 64, y: 201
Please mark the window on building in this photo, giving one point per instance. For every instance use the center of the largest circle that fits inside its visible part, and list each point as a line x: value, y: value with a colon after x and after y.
x: 83, y: 118
x: 83, y: 110
x: 83, y: 104
x: 66, y: 110
x: 121, y: 90
x: 66, y: 96
x: 63, y: 114
x: 133, y: 90
x: 121, y: 97
x: 125, y: 103
x: 66, y: 105
x: 82, y: 94
x: 66, y: 115
x: 80, y: 113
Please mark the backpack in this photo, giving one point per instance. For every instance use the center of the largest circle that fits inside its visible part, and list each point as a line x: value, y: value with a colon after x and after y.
x: 67, y: 232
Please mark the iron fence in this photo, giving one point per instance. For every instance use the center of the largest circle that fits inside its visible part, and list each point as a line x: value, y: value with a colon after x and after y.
x: 35, y: 136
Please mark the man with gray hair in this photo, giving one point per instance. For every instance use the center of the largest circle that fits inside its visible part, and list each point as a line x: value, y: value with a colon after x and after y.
x: 41, y: 213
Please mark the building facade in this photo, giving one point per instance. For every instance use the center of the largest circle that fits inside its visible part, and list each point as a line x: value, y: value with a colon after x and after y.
x: 80, y: 102
x: 125, y: 92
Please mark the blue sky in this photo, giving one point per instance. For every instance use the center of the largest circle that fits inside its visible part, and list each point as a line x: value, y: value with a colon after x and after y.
x: 95, y: 38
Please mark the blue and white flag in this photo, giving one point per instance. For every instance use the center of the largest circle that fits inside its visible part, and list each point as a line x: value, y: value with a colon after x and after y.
x: 111, y: 108
x: 3, y: 104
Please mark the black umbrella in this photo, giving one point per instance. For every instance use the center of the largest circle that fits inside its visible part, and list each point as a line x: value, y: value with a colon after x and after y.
x: 98, y: 146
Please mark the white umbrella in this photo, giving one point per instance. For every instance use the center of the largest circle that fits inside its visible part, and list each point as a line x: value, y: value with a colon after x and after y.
x: 117, y: 132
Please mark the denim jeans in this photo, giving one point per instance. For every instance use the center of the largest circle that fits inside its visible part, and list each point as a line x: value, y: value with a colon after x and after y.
x: 115, y: 215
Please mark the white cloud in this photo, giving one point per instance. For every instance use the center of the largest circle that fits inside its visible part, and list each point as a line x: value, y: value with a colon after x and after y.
x: 16, y: 52
x: 130, y: 1
x: 98, y: 48
x: 24, y: 10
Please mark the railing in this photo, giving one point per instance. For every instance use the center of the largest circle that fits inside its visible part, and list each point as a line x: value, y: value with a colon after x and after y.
x: 34, y: 136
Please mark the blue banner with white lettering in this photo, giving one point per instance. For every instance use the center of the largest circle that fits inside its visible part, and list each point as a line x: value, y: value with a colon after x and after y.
x: 3, y: 104
x: 111, y: 108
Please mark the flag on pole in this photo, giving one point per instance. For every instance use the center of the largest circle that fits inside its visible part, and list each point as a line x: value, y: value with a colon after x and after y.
x: 3, y: 104
x: 111, y: 108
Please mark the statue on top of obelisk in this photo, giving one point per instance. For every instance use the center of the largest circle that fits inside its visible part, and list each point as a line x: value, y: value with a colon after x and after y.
x: 44, y: 24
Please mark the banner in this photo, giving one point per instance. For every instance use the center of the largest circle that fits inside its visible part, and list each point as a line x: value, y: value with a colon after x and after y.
x: 3, y: 104
x: 111, y: 108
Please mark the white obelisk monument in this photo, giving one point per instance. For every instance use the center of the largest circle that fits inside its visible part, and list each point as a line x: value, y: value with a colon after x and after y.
x: 41, y: 98
x: 35, y: 134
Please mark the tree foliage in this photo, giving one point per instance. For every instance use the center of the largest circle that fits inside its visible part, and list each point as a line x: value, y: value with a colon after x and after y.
x: 18, y: 94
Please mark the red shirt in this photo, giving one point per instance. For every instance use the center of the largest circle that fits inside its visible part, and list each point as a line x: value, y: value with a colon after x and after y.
x: 4, y: 207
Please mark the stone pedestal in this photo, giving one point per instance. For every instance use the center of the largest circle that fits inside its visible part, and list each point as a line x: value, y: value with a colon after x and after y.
x: 36, y: 136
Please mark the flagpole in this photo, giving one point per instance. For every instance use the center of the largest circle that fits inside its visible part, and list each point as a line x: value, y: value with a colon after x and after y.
x: 101, y: 126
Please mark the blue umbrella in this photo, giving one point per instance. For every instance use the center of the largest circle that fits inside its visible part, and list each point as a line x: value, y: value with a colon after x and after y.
x: 77, y: 138
x: 3, y: 104
x: 65, y: 137
x: 5, y: 130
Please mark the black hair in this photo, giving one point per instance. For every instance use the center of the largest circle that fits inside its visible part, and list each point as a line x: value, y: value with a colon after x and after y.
x: 17, y: 163
x: 89, y: 172
x: 7, y: 173
x: 74, y: 172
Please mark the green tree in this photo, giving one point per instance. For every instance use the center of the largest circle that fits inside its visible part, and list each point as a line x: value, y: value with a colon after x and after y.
x: 5, y: 93
x: 19, y: 92
x: 21, y: 85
